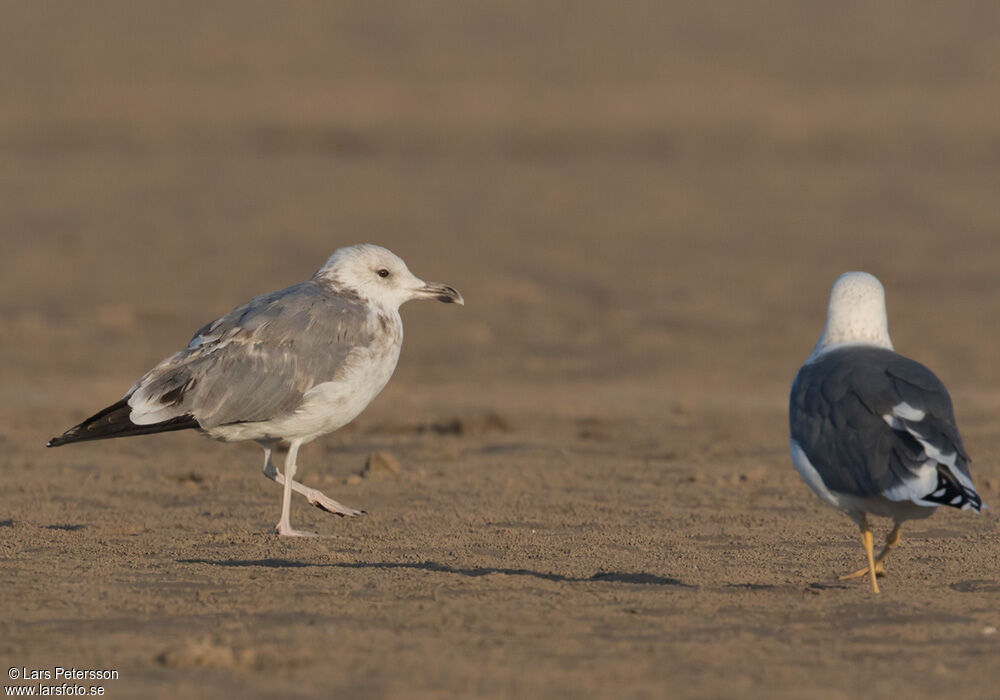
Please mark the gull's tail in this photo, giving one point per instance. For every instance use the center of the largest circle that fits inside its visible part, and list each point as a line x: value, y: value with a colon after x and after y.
x: 114, y: 422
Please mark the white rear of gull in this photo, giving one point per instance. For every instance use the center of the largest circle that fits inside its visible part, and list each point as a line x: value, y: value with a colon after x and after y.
x: 873, y: 432
x: 290, y: 366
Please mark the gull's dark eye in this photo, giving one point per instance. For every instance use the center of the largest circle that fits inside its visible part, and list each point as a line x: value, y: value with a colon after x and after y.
x: 383, y: 272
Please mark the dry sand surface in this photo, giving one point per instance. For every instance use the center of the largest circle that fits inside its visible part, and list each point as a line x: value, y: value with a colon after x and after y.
x: 644, y: 207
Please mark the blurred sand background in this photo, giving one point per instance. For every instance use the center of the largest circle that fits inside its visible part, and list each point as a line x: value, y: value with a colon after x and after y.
x: 644, y: 206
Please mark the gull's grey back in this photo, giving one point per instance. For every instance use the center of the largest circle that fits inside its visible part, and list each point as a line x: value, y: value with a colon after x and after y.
x: 256, y: 362
x: 836, y: 411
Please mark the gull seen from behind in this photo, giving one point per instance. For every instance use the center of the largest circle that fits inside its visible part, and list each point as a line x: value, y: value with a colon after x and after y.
x: 873, y: 432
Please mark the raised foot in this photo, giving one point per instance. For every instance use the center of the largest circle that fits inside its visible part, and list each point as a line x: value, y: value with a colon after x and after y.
x: 879, y: 571
x: 324, y: 502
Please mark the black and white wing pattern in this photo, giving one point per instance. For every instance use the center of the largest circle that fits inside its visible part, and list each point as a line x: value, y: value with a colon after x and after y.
x: 876, y: 424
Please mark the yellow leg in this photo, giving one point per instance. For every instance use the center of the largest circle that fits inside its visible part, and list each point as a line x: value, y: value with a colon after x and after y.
x: 866, y: 542
x: 891, y: 540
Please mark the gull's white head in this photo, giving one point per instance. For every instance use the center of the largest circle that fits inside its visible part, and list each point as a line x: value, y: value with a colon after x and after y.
x: 381, y: 277
x: 856, y: 313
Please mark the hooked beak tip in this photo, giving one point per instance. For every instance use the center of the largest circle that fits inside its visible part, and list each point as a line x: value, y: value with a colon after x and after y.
x: 443, y: 293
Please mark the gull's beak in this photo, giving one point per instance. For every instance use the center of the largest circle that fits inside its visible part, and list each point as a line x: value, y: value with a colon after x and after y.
x: 441, y: 292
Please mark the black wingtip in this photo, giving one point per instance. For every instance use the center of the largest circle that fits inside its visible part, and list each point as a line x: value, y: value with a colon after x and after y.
x: 114, y: 422
x: 951, y: 493
x: 71, y: 435
x: 60, y: 440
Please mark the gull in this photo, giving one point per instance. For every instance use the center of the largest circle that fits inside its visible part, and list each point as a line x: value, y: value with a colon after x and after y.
x: 873, y: 432
x: 287, y: 366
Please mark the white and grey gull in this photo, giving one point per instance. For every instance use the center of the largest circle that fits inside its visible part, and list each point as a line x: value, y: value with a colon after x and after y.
x: 873, y: 432
x: 290, y: 365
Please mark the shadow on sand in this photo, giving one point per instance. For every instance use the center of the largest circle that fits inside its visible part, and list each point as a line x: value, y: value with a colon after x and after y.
x: 610, y: 577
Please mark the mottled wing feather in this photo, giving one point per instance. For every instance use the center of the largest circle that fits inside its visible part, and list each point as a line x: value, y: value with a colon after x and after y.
x: 256, y: 362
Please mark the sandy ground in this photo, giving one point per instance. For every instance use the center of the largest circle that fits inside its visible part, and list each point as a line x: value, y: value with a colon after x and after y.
x: 644, y: 207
